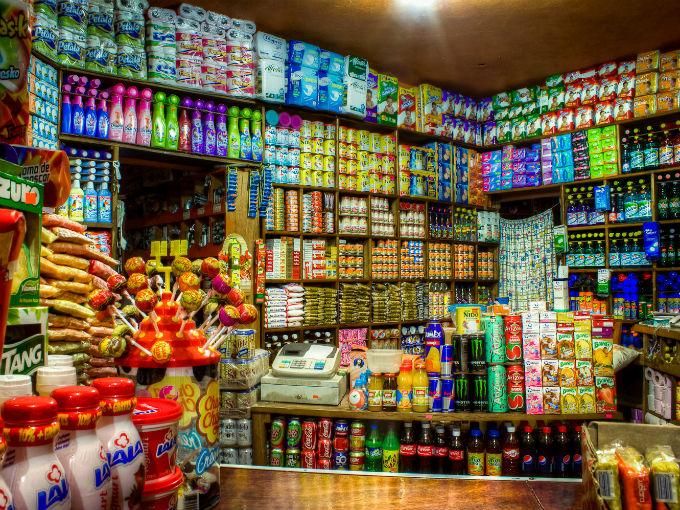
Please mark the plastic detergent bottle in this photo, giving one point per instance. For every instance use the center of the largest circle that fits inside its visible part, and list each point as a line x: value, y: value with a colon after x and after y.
x: 234, y: 136
x: 171, y: 123
x: 75, y: 202
x: 103, y: 116
x: 209, y: 128
x: 144, y: 120
x: 244, y: 129
x: 80, y: 450
x: 104, y: 214
x: 90, y: 203
x: 91, y: 113
x: 256, y: 135
x: 158, y: 121
x: 35, y: 476
x: 116, y: 113
x: 66, y: 110
x: 221, y: 132
x: 130, y: 116
x: 184, y: 142
x: 77, y: 112
x: 197, y: 138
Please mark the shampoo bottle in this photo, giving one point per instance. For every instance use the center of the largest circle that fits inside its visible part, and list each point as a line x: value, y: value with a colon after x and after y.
x: 221, y: 133
x: 234, y: 137
x: 171, y: 123
x: 91, y: 113
x: 184, y: 142
x: 244, y: 129
x: 256, y: 134
x: 158, y: 121
x: 66, y: 110
x: 116, y: 113
x: 197, y: 143
x: 130, y: 116
x: 90, y: 203
x: 77, y: 112
x: 104, y: 204
x: 209, y: 128
x: 103, y: 116
x: 144, y: 118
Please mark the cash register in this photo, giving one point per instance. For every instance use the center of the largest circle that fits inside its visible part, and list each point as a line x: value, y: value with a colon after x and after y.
x: 305, y: 374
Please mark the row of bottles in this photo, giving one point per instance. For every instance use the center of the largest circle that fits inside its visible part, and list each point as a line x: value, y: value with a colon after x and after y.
x: 626, y: 249
x: 649, y: 150
x: 580, y: 206
x: 91, y: 203
x: 630, y: 201
x: 668, y: 196
x: 586, y: 250
x: 670, y: 249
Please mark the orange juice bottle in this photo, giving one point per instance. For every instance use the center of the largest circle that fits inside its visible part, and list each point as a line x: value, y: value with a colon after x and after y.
x: 375, y: 390
x: 420, y: 384
x: 405, y: 386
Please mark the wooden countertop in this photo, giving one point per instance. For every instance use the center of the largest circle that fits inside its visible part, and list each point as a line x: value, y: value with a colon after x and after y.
x: 254, y: 488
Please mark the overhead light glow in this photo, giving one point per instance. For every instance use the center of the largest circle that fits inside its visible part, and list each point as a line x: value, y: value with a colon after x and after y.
x: 415, y: 5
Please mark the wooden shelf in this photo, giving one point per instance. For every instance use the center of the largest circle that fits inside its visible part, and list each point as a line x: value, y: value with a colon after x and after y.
x: 654, y: 413
x: 666, y: 368
x: 669, y: 222
x: 601, y: 226
x: 273, y: 281
x: 632, y: 224
x: 97, y: 225
x: 661, y: 331
x: 631, y: 269
x: 666, y: 269
x: 281, y: 233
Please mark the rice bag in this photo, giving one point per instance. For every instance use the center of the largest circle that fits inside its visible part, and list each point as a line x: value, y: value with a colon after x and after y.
x: 70, y: 261
x: 68, y: 308
x: 607, y: 475
x: 634, y: 475
x: 82, y: 251
x: 67, y: 347
x: 47, y: 237
x: 665, y: 477
x: 54, y: 220
x: 100, y: 269
x: 69, y: 236
x: 66, y: 335
x: 75, y: 287
x: 64, y: 321
x: 48, y: 291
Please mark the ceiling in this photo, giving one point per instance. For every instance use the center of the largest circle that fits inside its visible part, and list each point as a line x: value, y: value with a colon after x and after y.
x: 477, y: 47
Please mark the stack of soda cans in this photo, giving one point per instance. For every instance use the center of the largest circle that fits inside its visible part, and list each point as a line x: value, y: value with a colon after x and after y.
x: 357, y: 443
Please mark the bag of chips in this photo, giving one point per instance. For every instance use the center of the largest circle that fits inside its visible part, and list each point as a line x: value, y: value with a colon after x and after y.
x: 665, y: 477
x: 634, y: 475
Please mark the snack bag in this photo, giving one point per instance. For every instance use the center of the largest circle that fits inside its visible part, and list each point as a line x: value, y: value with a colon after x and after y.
x: 607, y: 476
x: 665, y: 477
x: 634, y: 475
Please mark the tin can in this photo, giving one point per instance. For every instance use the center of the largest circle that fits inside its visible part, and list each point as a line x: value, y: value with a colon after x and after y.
x: 357, y: 460
x: 325, y: 448
x: 448, y: 401
x: 292, y: 458
x: 294, y: 433
x: 341, y: 428
x: 462, y: 392
x: 358, y: 429
x: 308, y: 459
x: 229, y: 456
x: 340, y: 460
x: 496, y: 385
x: 513, y: 337
x: 322, y: 463
x: 476, y: 357
x: 515, y: 391
x: 325, y: 428
x: 494, y: 345
x: 309, y: 434
x: 277, y: 434
x: 447, y: 360
x: 341, y: 443
x: 276, y: 457
x: 228, y: 432
x: 480, y: 399
x: 434, y: 394
x: 460, y: 353
x: 244, y: 432
x: 245, y: 456
x: 357, y: 443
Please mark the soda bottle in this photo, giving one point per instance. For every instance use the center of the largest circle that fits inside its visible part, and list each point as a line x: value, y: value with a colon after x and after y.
x: 562, y: 452
x: 456, y: 453
x: 527, y: 451
x: 440, y: 452
x: 475, y: 453
x: 407, y: 450
x: 511, y: 460
x: 390, y: 460
x: 545, y: 453
x: 424, y: 449
x: 494, y: 453
x: 421, y: 403
x: 576, y: 455
x: 374, y: 451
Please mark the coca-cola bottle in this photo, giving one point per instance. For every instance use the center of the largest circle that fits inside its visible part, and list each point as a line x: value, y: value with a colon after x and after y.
x: 407, y: 450
x: 576, y: 455
x: 511, y: 460
x: 527, y: 451
x: 563, y: 447
x: 545, y: 452
x: 440, y: 451
x: 424, y: 449
x: 456, y: 453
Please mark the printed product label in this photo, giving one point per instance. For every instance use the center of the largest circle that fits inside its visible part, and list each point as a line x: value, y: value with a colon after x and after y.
x: 476, y: 463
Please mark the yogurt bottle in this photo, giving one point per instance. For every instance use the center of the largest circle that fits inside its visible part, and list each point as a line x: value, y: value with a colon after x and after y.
x: 117, y: 432
x: 6, y: 501
x: 50, y: 378
x: 80, y: 450
x: 15, y: 386
x: 33, y: 472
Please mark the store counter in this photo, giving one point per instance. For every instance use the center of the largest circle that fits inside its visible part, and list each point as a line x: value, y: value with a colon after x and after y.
x: 256, y: 488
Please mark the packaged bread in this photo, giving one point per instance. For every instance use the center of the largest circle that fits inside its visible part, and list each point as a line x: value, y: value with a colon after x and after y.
x: 634, y: 475
x: 69, y: 236
x: 54, y: 220
x: 68, y: 308
x: 70, y: 261
x: 64, y: 321
x: 665, y: 477
x: 82, y: 251
x: 607, y: 476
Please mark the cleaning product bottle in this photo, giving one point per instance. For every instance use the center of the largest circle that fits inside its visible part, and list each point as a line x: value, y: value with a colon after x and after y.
x: 197, y: 140
x: 116, y: 113
x: 184, y: 142
x: 221, y: 132
x: 77, y: 112
x: 104, y: 204
x: 158, y: 121
x: 144, y: 118
x: 75, y: 201
x: 130, y: 116
x: 66, y: 110
x: 244, y: 129
x: 234, y: 137
x: 209, y: 128
x: 256, y: 134
x: 103, y: 116
x: 90, y: 113
x: 171, y: 123
x: 90, y: 203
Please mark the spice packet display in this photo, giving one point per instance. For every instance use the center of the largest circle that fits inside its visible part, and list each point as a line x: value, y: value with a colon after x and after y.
x: 386, y: 302
x: 354, y: 303
x: 349, y: 339
x: 320, y: 306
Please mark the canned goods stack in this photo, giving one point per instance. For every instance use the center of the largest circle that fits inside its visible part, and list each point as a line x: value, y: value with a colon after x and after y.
x: 353, y: 215
x: 351, y: 260
x: 317, y: 212
x: 439, y: 261
x: 384, y: 260
x: 412, y: 260
x: 385, y: 302
x: 382, y: 218
x: 320, y: 306
x: 439, y: 296
x: 236, y: 440
x: 412, y: 219
x: 366, y: 161
x: 464, y: 224
x: 463, y: 262
x: 276, y: 211
x: 413, y: 340
x: 417, y: 171
x: 292, y: 211
x: 486, y: 265
x: 385, y: 338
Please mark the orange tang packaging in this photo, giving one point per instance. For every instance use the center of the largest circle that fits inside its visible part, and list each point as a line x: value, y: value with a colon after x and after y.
x: 634, y: 476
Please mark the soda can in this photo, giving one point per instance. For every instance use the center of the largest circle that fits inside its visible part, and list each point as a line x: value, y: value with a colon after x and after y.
x: 229, y: 456
x: 357, y: 460
x: 308, y: 459
x: 292, y: 458
x: 494, y: 341
x: 515, y: 391
x: 341, y: 428
x: 513, y: 337
x: 448, y: 401
x: 245, y: 456
x: 447, y: 360
x: 244, y: 432
x: 496, y: 385
x: 325, y: 428
x: 294, y: 433
x: 276, y: 457
x: 322, y: 463
x: 462, y: 392
x: 309, y: 434
x: 228, y: 432
x: 476, y: 357
x: 340, y: 460
x: 480, y: 399
x: 325, y: 448
x: 341, y: 443
x: 357, y: 443
x: 358, y: 428
x: 277, y: 433
x: 434, y: 394
x: 460, y: 353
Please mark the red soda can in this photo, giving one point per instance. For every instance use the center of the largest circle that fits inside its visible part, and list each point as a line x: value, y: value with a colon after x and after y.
x: 358, y: 428
x: 341, y: 443
x: 322, y: 463
x: 309, y: 434
x: 513, y: 337
x: 325, y: 448
x: 515, y: 392
x: 325, y: 428
x: 308, y: 459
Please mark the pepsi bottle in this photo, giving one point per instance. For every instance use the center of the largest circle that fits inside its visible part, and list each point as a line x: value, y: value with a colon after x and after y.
x: 576, y: 456
x: 545, y: 452
x: 527, y: 451
x: 563, y: 461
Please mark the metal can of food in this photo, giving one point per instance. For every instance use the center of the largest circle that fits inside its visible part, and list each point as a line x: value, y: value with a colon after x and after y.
x: 340, y: 460
x: 309, y: 434
x: 358, y: 428
x: 292, y: 458
x: 322, y: 463
x: 357, y: 443
x: 228, y: 432
x: 496, y: 385
x: 276, y: 457
x: 515, y: 391
x: 448, y: 400
x: 434, y: 394
x: 494, y: 345
x: 357, y: 460
x: 244, y: 432
x: 308, y: 459
x: 245, y: 456
x: 294, y: 433
x: 513, y: 337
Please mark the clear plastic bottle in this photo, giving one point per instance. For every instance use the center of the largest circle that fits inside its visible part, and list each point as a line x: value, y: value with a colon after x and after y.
x: 511, y: 461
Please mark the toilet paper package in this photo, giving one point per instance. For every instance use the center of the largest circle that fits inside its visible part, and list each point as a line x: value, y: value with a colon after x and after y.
x: 189, y: 39
x: 388, y: 99
x: 271, y: 80
x: 46, y: 7
x: 214, y: 43
x: 129, y: 29
x: 240, y: 51
x: 354, y: 97
x: 100, y: 19
x: 219, y: 20
x: 192, y: 12
x: 303, y: 86
x: 303, y: 54
x: 161, y: 69
x: 331, y: 92
x: 136, y: 6
x: 100, y: 55
x: 161, y: 28
x: 408, y: 107
x: 372, y: 96
x: 46, y: 35
x: 270, y: 47
x: 214, y: 76
x: 240, y: 82
x: 71, y: 48
x: 72, y: 16
x: 131, y: 62
x: 246, y: 26
x: 188, y: 71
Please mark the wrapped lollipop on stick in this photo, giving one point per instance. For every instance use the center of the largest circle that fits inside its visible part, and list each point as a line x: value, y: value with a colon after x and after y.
x: 132, y: 314
x: 220, y: 285
x: 103, y: 300
x: 210, y: 314
x: 229, y: 317
x: 124, y: 331
x: 117, y: 284
x: 196, y: 266
x: 135, y: 265
x: 191, y: 302
x: 247, y: 314
x: 210, y: 267
x: 186, y: 281
x: 146, y: 301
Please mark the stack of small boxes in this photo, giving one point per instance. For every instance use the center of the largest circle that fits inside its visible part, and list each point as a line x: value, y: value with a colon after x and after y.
x: 283, y: 258
x: 43, y: 105
x: 603, y: 152
x: 317, y: 154
x: 366, y: 161
x: 444, y: 170
x: 557, y: 159
x: 657, y: 82
x: 579, y: 151
x: 417, y: 171
x: 319, y: 260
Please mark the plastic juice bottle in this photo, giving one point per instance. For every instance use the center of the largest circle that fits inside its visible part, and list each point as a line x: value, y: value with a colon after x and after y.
x: 510, y: 463
x: 374, y: 450
x: 119, y: 435
x: 420, y: 400
x: 390, y: 460
x: 375, y: 391
x: 475, y: 453
x: 494, y: 453
x: 34, y: 474
x: 405, y: 385
x: 80, y: 451
x: 389, y: 393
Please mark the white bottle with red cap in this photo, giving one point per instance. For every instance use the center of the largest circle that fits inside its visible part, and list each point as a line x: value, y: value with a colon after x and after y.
x: 117, y: 432
x: 33, y: 472
x: 6, y: 501
x: 80, y: 450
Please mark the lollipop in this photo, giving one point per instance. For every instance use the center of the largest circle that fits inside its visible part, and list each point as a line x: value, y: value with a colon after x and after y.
x: 132, y: 314
x: 210, y: 313
x: 187, y: 281
x: 229, y: 317
x: 134, y: 265
x: 220, y: 283
x: 137, y: 282
x: 235, y: 296
x: 100, y: 299
x: 151, y: 267
x: 117, y: 283
x: 121, y: 330
x: 112, y: 347
x: 247, y: 313
x: 146, y: 301
x: 161, y: 351
x: 191, y: 301
x: 196, y: 267
x: 180, y: 265
x: 210, y: 267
